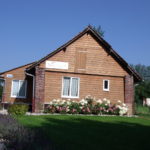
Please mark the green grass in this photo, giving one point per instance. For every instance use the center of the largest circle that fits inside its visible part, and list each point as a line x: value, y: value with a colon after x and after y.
x: 140, y: 110
x: 92, y: 132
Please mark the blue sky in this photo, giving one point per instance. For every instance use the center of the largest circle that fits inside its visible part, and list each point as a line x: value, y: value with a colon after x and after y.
x: 30, y: 29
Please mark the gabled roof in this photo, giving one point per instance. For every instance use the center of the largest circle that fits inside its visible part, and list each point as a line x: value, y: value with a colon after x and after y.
x: 17, y: 68
x: 102, y: 42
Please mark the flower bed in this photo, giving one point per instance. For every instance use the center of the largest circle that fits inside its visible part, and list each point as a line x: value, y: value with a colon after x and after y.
x: 88, y: 105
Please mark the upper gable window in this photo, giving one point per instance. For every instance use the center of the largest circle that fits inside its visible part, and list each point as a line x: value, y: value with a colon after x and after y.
x: 105, y: 85
x: 80, y: 59
x: 18, y: 89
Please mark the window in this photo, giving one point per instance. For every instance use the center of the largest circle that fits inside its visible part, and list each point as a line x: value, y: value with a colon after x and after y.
x: 18, y: 88
x: 105, y: 85
x: 70, y: 87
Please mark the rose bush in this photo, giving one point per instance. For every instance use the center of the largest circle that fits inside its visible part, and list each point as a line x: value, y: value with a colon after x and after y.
x: 88, y: 105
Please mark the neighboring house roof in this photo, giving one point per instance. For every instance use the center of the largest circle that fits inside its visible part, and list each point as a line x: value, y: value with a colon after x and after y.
x: 103, y: 43
x: 17, y: 68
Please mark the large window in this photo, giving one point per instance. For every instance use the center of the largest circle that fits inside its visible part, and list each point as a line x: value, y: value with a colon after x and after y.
x: 70, y: 87
x: 18, y: 89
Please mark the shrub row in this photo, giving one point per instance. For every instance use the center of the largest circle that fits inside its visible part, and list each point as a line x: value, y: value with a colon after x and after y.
x: 88, y: 105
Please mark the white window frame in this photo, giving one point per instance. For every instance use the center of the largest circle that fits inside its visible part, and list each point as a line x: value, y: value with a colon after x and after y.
x: 106, y: 89
x: 14, y: 96
x: 66, y: 96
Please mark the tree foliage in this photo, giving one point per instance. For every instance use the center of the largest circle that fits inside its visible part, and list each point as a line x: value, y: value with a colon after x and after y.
x: 142, y: 89
x: 143, y: 70
x: 99, y: 30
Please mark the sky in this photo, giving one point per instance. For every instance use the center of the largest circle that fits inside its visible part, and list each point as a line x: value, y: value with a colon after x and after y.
x: 31, y: 29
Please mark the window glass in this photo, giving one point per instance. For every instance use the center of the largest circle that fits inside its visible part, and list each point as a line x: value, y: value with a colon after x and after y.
x: 15, y: 88
x: 18, y: 88
x: 22, y: 89
x: 74, y: 87
x: 66, y: 86
x: 70, y: 87
x: 106, y: 85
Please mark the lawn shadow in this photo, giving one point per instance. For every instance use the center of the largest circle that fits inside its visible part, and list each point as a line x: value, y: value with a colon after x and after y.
x: 79, y: 133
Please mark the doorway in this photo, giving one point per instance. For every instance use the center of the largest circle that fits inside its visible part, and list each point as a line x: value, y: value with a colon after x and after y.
x: 2, y: 83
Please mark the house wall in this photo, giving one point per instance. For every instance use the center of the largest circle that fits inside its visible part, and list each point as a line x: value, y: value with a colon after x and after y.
x: 89, y: 85
x: 98, y: 66
x: 97, y: 59
x: 87, y: 60
x: 18, y: 74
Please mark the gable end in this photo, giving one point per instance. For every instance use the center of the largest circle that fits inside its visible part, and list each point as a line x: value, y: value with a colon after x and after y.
x: 107, y: 47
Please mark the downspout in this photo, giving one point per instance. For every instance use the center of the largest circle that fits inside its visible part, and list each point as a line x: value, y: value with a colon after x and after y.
x: 33, y: 88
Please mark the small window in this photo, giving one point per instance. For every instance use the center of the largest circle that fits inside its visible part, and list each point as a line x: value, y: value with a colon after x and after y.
x: 18, y: 88
x: 70, y: 87
x: 105, y: 85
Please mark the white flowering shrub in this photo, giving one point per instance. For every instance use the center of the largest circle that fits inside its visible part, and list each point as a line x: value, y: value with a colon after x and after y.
x: 88, y: 105
x: 123, y: 109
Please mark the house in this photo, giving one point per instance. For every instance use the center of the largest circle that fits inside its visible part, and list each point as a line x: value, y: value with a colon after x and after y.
x: 146, y: 102
x: 85, y: 65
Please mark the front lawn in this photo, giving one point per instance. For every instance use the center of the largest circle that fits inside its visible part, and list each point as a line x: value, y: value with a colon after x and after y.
x: 72, y: 132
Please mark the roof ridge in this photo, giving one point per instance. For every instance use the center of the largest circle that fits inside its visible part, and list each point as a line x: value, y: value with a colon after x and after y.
x: 17, y: 67
x: 89, y: 27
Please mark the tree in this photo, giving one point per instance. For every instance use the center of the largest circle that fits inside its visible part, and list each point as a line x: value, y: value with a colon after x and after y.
x: 143, y: 70
x: 99, y: 30
x: 142, y: 89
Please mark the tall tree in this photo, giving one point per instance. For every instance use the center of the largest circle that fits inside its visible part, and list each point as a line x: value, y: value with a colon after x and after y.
x: 99, y: 30
x: 142, y: 89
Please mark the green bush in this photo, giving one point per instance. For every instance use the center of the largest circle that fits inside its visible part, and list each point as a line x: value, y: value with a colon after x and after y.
x: 74, y: 108
x: 18, y: 109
